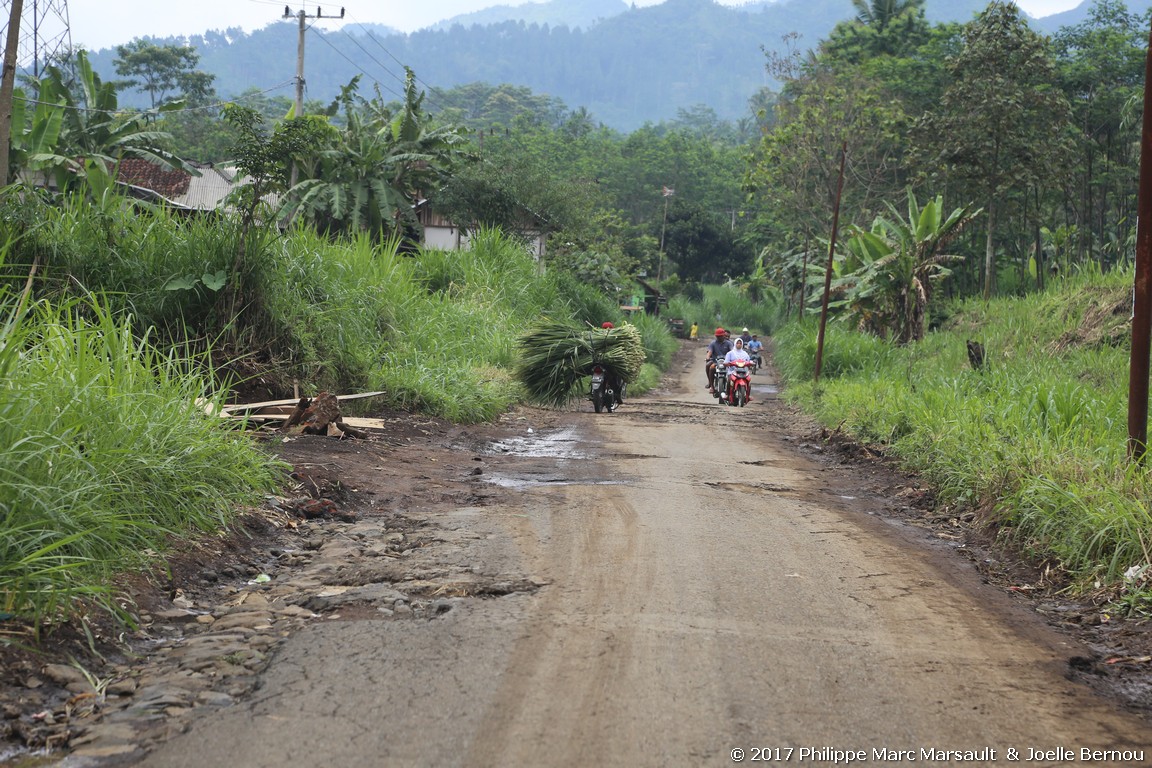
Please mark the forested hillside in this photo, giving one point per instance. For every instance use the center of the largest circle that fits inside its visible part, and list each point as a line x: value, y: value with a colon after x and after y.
x: 641, y: 65
x: 573, y: 13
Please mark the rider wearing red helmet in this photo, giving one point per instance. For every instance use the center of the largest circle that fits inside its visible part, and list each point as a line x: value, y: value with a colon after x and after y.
x: 719, y: 347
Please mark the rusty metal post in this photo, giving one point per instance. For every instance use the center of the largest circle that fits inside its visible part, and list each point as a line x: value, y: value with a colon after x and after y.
x: 828, y: 270
x: 804, y: 277
x: 7, y: 88
x: 1142, y: 290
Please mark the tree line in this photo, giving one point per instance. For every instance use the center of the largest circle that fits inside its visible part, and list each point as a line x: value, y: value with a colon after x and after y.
x: 1031, y: 141
x: 1039, y: 134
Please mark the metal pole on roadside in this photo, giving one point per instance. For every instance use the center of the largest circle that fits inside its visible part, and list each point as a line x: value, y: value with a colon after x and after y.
x: 667, y: 192
x: 1142, y: 289
x: 804, y: 277
x: 828, y: 270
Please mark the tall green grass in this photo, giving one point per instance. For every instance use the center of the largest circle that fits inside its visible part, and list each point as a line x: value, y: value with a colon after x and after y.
x: 1037, y: 438
x: 105, y: 450
x: 435, y: 330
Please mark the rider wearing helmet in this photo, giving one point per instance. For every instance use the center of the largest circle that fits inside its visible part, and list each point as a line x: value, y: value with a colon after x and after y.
x: 754, y: 348
x: 719, y: 347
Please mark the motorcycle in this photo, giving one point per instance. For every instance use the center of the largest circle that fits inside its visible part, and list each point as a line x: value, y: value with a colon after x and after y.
x: 719, y: 379
x: 739, y: 389
x: 603, y: 392
x: 756, y: 362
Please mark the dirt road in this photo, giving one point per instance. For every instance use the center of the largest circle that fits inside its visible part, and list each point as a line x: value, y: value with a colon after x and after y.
x: 704, y: 589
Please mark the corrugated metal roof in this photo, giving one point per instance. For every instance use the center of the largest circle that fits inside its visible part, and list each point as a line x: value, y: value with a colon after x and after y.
x: 205, y: 192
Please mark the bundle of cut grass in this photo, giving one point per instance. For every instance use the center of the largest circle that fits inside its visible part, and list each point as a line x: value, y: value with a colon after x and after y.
x: 554, y: 356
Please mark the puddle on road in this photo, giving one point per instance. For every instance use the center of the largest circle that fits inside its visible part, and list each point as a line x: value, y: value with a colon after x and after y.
x: 765, y: 389
x: 563, y: 445
x: 518, y: 483
x: 560, y: 445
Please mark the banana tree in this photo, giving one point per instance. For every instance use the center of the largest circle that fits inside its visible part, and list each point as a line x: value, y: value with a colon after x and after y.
x: 78, y: 134
x: 369, y: 172
x: 37, y: 137
x: 899, y: 261
x: 867, y: 281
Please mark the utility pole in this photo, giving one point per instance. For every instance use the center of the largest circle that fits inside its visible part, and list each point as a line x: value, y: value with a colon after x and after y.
x: 831, y: 256
x: 301, y: 16
x: 8, y: 86
x: 1142, y: 288
x: 667, y: 192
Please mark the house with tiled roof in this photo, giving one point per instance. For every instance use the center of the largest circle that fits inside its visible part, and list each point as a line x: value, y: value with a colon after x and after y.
x: 176, y: 187
x: 183, y: 191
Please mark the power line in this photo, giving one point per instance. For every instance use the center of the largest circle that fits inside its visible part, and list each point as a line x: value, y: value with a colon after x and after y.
x: 358, y: 67
x: 370, y: 56
x: 372, y: 37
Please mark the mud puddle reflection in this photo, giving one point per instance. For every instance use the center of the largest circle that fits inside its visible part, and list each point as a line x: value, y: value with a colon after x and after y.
x: 560, y: 449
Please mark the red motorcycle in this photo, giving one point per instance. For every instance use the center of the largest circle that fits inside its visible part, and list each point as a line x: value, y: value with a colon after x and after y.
x: 739, y: 389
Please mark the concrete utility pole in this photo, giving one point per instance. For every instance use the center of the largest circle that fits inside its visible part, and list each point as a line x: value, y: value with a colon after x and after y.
x: 301, y: 16
x: 300, y: 66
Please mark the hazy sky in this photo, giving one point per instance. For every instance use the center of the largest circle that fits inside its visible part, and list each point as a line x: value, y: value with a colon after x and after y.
x: 100, y: 24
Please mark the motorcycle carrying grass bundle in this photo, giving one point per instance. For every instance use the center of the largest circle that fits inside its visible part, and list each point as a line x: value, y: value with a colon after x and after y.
x: 555, y: 357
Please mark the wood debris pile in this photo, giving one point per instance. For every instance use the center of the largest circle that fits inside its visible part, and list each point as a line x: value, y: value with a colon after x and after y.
x: 320, y: 415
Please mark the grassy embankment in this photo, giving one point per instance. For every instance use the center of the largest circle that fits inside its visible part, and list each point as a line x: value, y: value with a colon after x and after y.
x: 1036, y: 439
x: 104, y: 453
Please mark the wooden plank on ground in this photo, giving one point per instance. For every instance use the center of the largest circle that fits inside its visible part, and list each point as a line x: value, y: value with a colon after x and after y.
x: 239, y: 407
x: 352, y: 421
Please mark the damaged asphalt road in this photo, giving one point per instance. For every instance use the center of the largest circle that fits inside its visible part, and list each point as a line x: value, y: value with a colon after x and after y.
x: 660, y: 586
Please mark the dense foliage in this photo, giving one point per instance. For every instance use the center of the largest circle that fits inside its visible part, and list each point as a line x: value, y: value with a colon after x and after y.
x: 989, y: 114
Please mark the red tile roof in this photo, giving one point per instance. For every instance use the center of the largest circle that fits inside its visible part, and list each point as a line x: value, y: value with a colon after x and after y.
x: 144, y: 173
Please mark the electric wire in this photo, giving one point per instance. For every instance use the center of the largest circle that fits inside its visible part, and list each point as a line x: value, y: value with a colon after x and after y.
x: 358, y: 67
x: 368, y: 33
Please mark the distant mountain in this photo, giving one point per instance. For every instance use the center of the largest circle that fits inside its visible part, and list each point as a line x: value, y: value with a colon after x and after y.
x: 574, y: 13
x: 626, y: 65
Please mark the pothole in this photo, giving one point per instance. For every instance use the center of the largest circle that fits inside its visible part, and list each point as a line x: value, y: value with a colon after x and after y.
x: 559, y: 445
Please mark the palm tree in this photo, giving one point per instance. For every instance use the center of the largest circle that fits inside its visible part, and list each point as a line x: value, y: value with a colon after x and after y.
x: 881, y: 13
x: 881, y: 27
